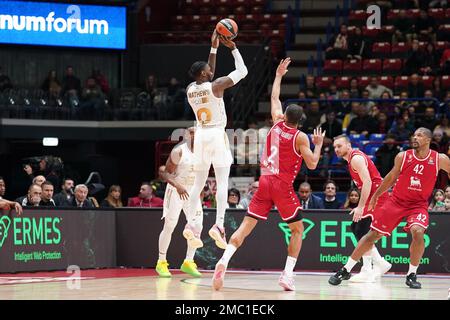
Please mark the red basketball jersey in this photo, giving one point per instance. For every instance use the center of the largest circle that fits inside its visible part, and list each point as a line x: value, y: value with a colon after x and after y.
x: 417, y: 178
x: 375, y: 176
x: 280, y: 158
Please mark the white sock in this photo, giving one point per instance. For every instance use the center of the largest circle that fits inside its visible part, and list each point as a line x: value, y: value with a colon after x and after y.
x: 289, y: 267
x: 222, y: 175
x: 190, y: 253
x: 229, y: 251
x: 350, y: 264
x: 376, y: 257
x: 367, y: 263
x: 412, y: 269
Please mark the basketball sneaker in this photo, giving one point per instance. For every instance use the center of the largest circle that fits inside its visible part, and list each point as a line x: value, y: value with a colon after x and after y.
x: 192, y: 236
x: 411, y: 281
x: 190, y: 267
x: 162, y: 267
x: 381, y: 268
x: 286, y: 282
x: 367, y: 275
x: 219, y: 274
x: 218, y: 234
x: 337, y: 278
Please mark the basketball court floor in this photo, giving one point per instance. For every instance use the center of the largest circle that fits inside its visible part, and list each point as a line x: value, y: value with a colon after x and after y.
x: 142, y: 284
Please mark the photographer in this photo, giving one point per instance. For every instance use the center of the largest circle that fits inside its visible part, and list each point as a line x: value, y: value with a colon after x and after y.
x: 50, y: 167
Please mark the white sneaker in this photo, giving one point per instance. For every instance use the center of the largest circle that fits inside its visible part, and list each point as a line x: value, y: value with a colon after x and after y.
x: 286, y: 282
x: 192, y: 236
x: 219, y: 274
x: 381, y: 268
x: 365, y: 276
x: 218, y: 234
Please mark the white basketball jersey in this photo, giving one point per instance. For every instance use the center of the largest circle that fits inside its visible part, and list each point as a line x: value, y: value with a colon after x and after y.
x: 184, y: 173
x: 209, y: 110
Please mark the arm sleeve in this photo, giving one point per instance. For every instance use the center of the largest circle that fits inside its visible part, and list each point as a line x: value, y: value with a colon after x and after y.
x: 241, y: 69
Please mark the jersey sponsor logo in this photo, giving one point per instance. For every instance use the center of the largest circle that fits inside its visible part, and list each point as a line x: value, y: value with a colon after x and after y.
x: 415, y: 184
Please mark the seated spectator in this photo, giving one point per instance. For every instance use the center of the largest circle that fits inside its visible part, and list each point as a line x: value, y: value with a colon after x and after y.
x: 362, y: 124
x: 399, y: 130
x: 444, y: 63
x: 338, y: 45
x: 151, y: 86
x: 250, y: 193
x: 66, y: 195
x: 414, y: 59
x: 352, y: 200
x: 332, y: 127
x: 440, y: 141
x: 437, y: 201
x: 234, y: 196
x: 342, y: 107
x: 447, y: 192
x: 2, y: 188
x: 33, y: 198
x: 113, y: 199
x: 367, y: 104
x: 350, y: 116
x: 5, y: 81
x: 357, y: 45
x: 39, y: 180
x: 307, y: 199
x: 424, y: 28
x: 385, y: 155
x: 443, y: 125
x: 52, y: 86
x: 415, y: 87
x: 330, y: 201
x: 47, y: 195
x: 207, y: 197
x: 355, y: 92
x: 101, y: 80
x: 428, y: 121
x: 92, y: 102
x: 430, y: 61
x: 311, y: 91
x: 80, y: 199
x: 436, y: 3
x: 447, y: 204
x: 403, y: 28
x: 438, y: 89
x: 313, y: 116
x: 376, y: 90
x: 382, y: 123
x: 145, y: 198
x: 71, y: 87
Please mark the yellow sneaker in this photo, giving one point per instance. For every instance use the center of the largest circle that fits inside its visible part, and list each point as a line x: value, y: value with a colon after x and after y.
x: 162, y: 267
x: 190, y: 267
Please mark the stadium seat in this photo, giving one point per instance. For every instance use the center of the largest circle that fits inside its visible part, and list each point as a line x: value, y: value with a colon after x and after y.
x: 377, y: 137
x: 342, y: 82
x: 371, y: 66
x: 352, y: 67
x: 332, y: 67
x: 437, y: 13
x: 381, y: 49
x: 413, y: 13
x: 370, y: 32
x: 445, y: 82
x: 392, y: 66
x: 358, y: 138
x: 441, y: 45
x: 401, y: 83
x: 393, y: 15
x: 357, y: 17
x: 427, y: 82
x: 370, y: 149
x: 323, y: 82
x: 363, y: 82
x: 399, y: 50
x: 387, y: 81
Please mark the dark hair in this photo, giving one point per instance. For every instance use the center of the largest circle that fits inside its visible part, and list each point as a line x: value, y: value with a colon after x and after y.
x: 328, y: 182
x: 236, y: 191
x: 342, y: 136
x: 294, y: 114
x: 196, y: 68
x: 46, y: 183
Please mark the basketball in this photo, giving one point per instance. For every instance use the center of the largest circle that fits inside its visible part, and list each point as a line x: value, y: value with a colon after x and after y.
x: 227, y: 28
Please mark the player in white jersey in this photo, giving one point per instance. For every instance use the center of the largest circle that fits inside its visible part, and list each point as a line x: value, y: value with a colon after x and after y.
x: 211, y: 142
x: 179, y: 174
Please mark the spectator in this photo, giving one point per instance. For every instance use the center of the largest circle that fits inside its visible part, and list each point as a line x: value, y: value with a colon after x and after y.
x: 352, y: 200
x: 415, y: 87
x: 33, y: 197
x: 437, y: 201
x: 375, y: 89
x: 307, y: 199
x: 355, y: 92
x: 438, y: 90
x: 350, y: 116
x: 362, y: 124
x: 342, y: 107
x: 430, y: 62
x: 357, y: 45
x: 386, y: 106
x: 151, y: 86
x: 447, y: 192
x: 71, y: 85
x: 414, y: 60
x: 39, y: 180
x: 66, y: 195
x: 385, y: 155
x: 428, y: 121
x: 302, y: 96
x: 113, y: 200
x: 5, y: 81
x: 424, y: 27
x: 338, y: 45
x: 437, y: 3
x: 47, y: 195
x: 234, y: 196
x: 313, y: 116
x: 367, y: 104
x: 92, y: 103
x: 101, y: 80
x: 145, y: 198
x: 50, y: 168
x: 250, y: 193
x: 447, y: 204
x: 2, y: 188
x: 331, y: 127
x: 443, y: 125
x: 207, y: 197
x: 399, y: 130
x: 80, y: 199
x: 51, y: 85
x: 439, y: 141
x: 332, y: 93
x: 383, y: 124
x: 403, y: 28
x: 310, y: 89
x: 331, y: 202
x: 444, y: 63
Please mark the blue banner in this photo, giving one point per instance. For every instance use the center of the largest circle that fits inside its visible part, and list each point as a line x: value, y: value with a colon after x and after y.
x: 67, y: 25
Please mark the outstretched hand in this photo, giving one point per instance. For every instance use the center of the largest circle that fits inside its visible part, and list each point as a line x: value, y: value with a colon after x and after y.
x: 318, y: 136
x: 282, y: 67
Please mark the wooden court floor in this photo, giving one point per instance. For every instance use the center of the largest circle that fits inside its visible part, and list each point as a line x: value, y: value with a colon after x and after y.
x: 143, y: 284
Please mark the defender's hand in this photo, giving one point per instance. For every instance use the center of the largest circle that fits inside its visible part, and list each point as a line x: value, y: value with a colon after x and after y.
x: 318, y: 136
x: 282, y: 67
x: 357, y: 213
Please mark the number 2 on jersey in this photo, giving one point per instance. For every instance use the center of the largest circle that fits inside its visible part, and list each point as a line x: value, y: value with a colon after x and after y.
x: 418, y: 169
x: 271, y: 160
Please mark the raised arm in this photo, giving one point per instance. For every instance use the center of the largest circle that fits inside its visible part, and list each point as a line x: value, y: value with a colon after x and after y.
x: 166, y: 173
x: 444, y: 163
x: 388, y: 181
x: 359, y: 164
x: 222, y: 83
x: 302, y: 145
x: 213, y: 52
x: 275, y: 104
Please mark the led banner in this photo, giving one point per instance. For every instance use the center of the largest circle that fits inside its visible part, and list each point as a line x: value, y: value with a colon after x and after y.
x: 57, y: 24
